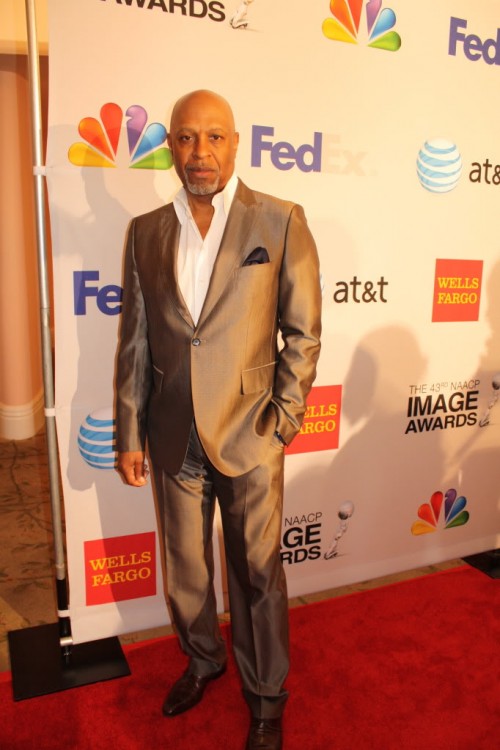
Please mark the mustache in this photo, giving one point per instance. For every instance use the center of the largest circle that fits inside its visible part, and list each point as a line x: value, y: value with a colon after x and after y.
x: 200, y: 168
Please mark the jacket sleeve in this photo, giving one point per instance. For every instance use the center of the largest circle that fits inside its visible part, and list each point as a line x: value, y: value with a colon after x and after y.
x: 133, y: 362
x: 300, y: 325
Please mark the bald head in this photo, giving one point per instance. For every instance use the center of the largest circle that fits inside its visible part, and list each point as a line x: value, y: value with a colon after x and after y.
x: 201, y: 99
x: 203, y: 141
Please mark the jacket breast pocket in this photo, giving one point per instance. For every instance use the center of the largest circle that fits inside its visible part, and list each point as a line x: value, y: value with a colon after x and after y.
x: 256, y: 286
x: 257, y: 378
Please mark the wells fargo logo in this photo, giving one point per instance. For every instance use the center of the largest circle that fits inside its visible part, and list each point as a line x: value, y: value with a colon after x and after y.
x: 320, y: 429
x: 457, y: 290
x: 119, y: 568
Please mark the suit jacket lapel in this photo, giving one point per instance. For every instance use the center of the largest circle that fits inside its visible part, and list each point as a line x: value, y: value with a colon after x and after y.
x: 243, y: 213
x: 167, y: 274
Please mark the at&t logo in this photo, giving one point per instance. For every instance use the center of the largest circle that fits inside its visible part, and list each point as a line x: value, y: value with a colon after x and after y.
x: 359, y: 291
x: 96, y: 439
x: 439, y: 165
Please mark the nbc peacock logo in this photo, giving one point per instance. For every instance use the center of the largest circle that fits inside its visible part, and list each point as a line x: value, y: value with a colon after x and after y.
x: 103, y: 145
x: 429, y: 513
x: 346, y: 24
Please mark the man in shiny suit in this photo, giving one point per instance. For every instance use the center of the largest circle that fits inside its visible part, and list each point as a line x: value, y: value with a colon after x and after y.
x: 210, y: 281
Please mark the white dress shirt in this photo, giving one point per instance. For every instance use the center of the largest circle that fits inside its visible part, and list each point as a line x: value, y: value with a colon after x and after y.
x: 196, y: 255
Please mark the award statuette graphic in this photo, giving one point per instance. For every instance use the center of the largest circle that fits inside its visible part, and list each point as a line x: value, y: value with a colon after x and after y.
x: 239, y: 20
x: 493, y: 399
x: 345, y: 512
x: 488, y: 562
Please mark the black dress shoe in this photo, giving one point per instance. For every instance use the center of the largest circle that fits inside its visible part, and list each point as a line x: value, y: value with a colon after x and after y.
x: 187, y: 692
x: 265, y: 734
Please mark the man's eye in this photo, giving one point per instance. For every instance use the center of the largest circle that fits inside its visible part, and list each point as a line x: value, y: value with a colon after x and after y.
x: 185, y: 138
x: 216, y: 137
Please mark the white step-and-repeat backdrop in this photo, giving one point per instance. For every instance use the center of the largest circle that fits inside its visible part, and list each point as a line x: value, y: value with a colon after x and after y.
x: 380, y: 119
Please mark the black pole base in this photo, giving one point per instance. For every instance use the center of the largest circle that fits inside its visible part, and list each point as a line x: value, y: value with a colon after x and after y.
x: 486, y: 562
x: 39, y: 667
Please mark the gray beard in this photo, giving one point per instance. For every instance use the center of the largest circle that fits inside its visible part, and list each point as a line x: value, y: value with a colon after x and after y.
x: 208, y: 189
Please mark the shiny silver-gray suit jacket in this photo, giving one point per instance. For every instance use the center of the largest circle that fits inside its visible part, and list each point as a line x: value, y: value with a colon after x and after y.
x: 228, y: 372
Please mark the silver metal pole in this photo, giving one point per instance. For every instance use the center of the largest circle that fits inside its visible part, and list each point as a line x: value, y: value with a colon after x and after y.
x: 35, y: 653
x: 47, y: 367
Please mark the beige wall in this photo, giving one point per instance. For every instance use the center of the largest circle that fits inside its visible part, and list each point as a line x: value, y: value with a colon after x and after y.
x: 21, y: 390
x: 13, y: 26
x: 21, y: 393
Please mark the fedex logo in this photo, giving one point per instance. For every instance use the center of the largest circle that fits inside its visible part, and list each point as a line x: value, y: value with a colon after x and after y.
x: 108, y: 298
x: 324, y: 154
x: 474, y: 47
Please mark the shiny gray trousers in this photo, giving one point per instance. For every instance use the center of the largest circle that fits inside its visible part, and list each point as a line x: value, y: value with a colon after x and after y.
x: 251, y: 510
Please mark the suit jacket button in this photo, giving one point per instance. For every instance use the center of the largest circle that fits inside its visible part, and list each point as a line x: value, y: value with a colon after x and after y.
x: 196, y: 342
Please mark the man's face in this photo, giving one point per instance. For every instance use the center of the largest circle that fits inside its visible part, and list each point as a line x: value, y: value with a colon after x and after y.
x: 203, y: 142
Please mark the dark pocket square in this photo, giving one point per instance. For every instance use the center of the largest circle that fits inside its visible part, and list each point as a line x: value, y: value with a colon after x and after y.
x: 259, y: 255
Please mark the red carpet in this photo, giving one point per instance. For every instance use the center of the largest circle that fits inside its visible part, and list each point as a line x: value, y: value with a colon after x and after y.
x: 411, y: 666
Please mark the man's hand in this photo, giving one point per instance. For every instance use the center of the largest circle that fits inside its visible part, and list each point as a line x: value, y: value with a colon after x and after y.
x: 131, y: 465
